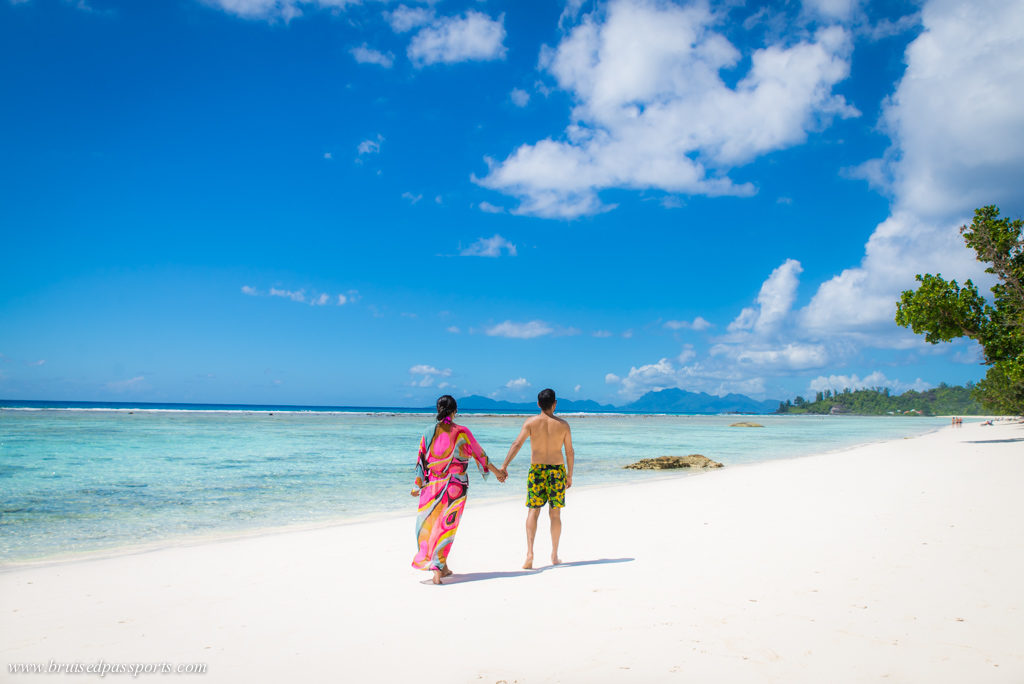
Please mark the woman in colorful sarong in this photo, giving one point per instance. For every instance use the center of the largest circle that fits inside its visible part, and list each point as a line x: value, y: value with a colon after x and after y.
x: 441, y: 484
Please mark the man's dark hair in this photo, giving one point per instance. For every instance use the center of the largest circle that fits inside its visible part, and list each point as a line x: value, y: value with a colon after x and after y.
x: 546, y: 399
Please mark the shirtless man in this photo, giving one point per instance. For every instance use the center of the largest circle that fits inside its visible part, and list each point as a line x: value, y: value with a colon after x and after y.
x: 548, y: 478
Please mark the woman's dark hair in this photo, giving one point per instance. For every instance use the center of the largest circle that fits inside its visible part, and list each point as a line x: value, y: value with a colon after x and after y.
x: 546, y: 399
x: 446, y: 406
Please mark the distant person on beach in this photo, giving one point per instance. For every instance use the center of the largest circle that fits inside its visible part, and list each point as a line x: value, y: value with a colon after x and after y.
x: 550, y: 475
x: 441, y: 484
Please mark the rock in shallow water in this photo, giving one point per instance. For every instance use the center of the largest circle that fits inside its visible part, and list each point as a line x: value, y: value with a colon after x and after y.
x: 670, y: 462
x: 745, y: 424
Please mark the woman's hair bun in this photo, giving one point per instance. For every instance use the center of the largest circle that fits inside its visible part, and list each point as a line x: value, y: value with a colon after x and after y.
x: 446, y: 406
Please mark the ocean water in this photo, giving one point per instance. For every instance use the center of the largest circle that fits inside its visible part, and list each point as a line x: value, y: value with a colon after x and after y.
x: 85, y: 480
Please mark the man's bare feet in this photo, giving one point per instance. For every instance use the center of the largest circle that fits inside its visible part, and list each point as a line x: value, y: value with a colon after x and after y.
x: 528, y: 565
x: 555, y: 560
x: 437, y: 577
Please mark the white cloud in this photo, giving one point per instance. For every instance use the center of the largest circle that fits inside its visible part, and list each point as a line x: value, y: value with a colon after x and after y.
x: 404, y: 19
x: 490, y: 247
x: 40, y: 362
x: 321, y: 299
x: 276, y: 10
x: 522, y: 331
x: 294, y: 295
x: 652, y: 110
x: 603, y: 333
x: 957, y: 129
x: 370, y: 146
x: 424, y: 369
x: 792, y: 356
x: 577, y: 388
x: 453, y: 329
x: 612, y: 379
x: 328, y: 155
x: 832, y: 10
x: 697, y: 324
x: 427, y: 374
x: 875, y: 379
x: 519, y: 97
x: 413, y: 199
x: 364, y: 54
x: 471, y: 37
x: 774, y: 301
x: 940, y: 166
x: 489, y: 208
x: 517, y: 384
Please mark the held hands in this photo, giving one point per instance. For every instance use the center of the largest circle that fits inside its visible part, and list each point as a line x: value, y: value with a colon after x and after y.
x: 501, y: 474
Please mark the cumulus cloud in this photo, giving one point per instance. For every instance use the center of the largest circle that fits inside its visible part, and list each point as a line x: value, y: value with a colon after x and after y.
x: 697, y: 324
x: 792, y: 356
x: 367, y: 55
x: 517, y: 384
x: 277, y: 10
x: 404, y: 19
x: 652, y: 110
x: 522, y: 331
x: 489, y: 208
x: 294, y: 295
x: 473, y: 36
x: 519, y: 97
x: 370, y: 146
x: 774, y: 301
x: 832, y: 10
x: 315, y: 299
x: 490, y: 247
x: 424, y: 375
x: 957, y: 128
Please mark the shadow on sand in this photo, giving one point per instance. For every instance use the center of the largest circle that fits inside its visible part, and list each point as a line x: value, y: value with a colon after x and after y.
x: 462, y: 578
x: 995, y: 441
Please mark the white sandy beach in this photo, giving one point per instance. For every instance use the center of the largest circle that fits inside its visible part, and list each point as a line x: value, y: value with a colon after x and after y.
x: 899, y: 561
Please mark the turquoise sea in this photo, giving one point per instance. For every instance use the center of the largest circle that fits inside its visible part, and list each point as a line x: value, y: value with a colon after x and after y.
x: 95, y: 479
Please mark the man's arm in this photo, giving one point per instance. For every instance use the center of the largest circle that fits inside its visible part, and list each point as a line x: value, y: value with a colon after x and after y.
x: 516, y: 445
x: 570, y: 455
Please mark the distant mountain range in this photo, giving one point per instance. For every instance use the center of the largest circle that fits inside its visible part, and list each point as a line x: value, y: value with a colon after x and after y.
x: 660, y: 401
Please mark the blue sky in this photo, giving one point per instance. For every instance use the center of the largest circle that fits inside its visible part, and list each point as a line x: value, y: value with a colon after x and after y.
x: 369, y: 202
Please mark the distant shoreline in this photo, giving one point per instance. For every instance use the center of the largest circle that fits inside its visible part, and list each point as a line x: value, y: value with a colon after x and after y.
x: 252, y: 409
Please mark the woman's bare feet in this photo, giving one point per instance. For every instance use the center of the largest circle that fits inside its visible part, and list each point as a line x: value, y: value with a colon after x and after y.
x: 555, y: 560
x: 437, y: 577
x: 528, y: 565
x: 447, y: 572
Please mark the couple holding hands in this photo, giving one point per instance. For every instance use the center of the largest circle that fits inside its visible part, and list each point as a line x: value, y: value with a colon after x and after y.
x: 442, y: 479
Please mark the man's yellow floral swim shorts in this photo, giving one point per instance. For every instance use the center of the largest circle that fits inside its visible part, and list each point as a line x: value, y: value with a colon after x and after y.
x: 544, y: 484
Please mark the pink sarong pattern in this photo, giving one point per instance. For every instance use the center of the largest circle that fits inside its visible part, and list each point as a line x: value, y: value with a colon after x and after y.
x: 442, y: 482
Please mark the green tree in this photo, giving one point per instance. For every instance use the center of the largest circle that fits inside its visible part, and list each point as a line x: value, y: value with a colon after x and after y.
x: 942, y: 310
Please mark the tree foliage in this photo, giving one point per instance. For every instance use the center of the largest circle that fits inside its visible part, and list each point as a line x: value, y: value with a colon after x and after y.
x: 944, y: 400
x: 943, y: 310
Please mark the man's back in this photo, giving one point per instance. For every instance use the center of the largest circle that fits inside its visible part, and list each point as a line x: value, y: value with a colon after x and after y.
x: 547, y: 435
